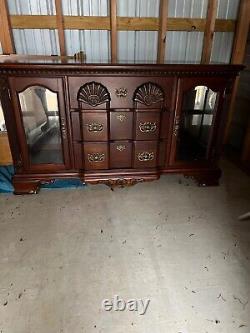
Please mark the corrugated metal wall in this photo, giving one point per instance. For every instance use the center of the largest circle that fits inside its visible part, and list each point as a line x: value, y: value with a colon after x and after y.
x: 132, y: 45
x: 183, y: 46
x: 34, y: 41
x: 95, y: 43
x: 223, y: 41
x: 31, y: 7
x: 86, y: 7
x: 137, y: 45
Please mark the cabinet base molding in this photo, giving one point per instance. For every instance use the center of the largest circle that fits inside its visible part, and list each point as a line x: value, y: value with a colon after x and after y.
x: 120, y: 182
x: 30, y: 184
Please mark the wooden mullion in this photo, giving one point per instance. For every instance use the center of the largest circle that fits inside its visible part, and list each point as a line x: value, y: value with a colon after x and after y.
x: 113, y: 25
x: 60, y: 27
x: 6, y: 36
x: 162, y: 30
x: 209, y: 31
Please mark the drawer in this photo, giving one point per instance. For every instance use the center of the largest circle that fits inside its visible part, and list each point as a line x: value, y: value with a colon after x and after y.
x: 147, y: 125
x: 120, y: 91
x: 145, y: 154
x: 96, y: 156
x: 120, y: 154
x: 121, y: 125
x: 95, y: 126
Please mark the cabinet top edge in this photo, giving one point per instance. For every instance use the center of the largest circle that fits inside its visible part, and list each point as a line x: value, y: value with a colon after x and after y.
x: 10, y: 64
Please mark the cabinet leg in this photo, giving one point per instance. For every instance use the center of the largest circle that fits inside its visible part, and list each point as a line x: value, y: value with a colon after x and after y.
x: 26, y: 186
x: 206, y: 178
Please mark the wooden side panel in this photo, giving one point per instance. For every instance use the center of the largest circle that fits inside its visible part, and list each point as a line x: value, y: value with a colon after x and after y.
x: 240, y: 41
x: 5, y: 154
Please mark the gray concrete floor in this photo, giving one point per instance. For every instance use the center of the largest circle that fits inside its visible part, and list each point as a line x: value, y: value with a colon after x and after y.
x: 63, y: 251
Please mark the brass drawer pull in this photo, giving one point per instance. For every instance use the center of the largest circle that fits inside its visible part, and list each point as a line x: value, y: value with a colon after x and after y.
x: 121, y: 117
x: 121, y: 147
x: 63, y: 129
x: 147, y: 127
x: 95, y: 127
x: 145, y: 156
x: 96, y: 157
x: 176, y: 126
x: 121, y: 92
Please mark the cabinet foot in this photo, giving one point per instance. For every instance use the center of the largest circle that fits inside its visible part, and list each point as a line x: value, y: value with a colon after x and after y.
x: 26, y: 186
x: 207, y: 178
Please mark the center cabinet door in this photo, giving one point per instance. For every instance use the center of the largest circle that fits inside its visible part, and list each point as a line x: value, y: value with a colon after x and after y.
x: 41, y: 123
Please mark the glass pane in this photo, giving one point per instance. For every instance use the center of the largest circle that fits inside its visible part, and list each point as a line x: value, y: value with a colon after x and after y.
x: 195, y: 123
x: 41, y: 124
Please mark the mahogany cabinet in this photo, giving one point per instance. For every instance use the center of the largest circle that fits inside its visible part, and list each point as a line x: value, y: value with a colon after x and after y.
x: 113, y: 124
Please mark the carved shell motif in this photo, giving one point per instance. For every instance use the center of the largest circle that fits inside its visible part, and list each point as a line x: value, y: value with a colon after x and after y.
x: 93, y: 93
x: 148, y: 93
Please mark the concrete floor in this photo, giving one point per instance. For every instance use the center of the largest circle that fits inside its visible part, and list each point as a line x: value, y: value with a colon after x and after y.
x: 63, y: 252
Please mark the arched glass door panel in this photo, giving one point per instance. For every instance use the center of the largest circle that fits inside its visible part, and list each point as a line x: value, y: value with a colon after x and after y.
x: 40, y: 117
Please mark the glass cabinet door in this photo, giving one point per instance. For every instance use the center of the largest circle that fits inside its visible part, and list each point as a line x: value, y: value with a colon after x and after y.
x: 41, y: 122
x: 193, y: 125
x: 40, y: 112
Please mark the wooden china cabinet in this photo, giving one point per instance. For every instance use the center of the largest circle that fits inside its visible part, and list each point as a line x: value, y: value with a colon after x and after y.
x: 113, y: 124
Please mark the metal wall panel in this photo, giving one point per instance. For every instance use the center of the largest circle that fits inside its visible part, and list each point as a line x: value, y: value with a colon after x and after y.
x: 223, y: 41
x: 86, y: 7
x: 31, y: 7
x: 138, y: 8
x: 137, y: 46
x: 222, y: 47
x: 228, y: 9
x: 132, y: 45
x: 182, y: 46
x: 187, y: 8
x: 95, y: 43
x: 36, y: 41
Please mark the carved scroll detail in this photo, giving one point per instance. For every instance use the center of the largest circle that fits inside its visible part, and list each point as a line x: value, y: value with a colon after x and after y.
x: 120, y: 182
x: 148, y: 127
x: 146, y: 156
x: 148, y: 94
x: 93, y: 93
x: 96, y: 157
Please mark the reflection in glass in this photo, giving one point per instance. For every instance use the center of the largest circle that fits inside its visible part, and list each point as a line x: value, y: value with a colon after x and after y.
x: 195, y: 123
x: 41, y: 123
